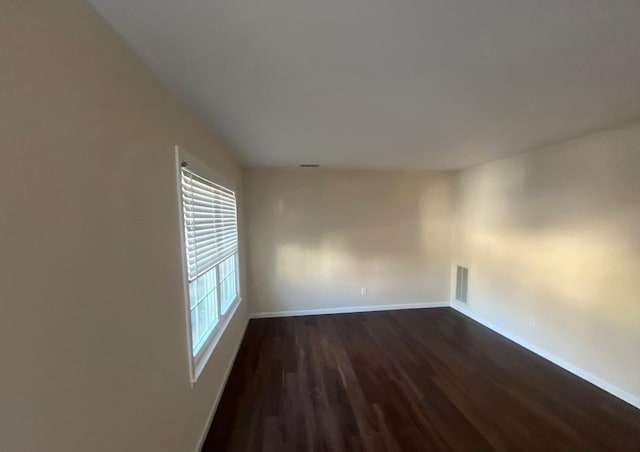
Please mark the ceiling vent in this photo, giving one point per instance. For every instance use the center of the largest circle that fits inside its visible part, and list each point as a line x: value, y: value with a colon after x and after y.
x: 462, y: 279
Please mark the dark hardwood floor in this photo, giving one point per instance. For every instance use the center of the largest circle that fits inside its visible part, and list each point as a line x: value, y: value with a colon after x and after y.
x: 414, y: 380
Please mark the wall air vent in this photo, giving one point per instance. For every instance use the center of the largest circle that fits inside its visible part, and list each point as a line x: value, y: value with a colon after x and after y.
x: 309, y: 165
x: 462, y: 279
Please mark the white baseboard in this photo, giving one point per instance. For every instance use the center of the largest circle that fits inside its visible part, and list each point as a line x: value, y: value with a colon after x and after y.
x: 227, y: 372
x: 597, y: 381
x: 349, y: 309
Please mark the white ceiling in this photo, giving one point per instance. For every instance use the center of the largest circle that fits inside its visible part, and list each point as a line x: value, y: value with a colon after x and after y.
x: 436, y: 84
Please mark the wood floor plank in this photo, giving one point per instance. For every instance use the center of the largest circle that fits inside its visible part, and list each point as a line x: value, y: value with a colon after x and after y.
x: 420, y: 380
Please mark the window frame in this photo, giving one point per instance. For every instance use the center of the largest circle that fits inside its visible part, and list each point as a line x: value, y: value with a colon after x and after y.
x: 198, y: 362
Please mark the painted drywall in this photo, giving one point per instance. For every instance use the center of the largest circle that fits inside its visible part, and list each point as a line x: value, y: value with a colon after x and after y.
x: 92, y: 331
x: 554, y: 234
x: 316, y: 237
x: 430, y: 84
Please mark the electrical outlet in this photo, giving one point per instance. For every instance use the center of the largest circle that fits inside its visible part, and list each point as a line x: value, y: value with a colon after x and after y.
x: 532, y: 322
x: 363, y: 291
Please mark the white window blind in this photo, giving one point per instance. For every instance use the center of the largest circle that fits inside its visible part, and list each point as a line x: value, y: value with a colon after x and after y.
x: 209, y: 229
x: 210, y: 223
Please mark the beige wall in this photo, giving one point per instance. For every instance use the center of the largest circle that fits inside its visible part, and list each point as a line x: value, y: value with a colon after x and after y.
x: 92, y: 332
x: 316, y: 237
x: 555, y: 234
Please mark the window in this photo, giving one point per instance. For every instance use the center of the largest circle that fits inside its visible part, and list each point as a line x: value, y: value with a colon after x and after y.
x: 210, y: 255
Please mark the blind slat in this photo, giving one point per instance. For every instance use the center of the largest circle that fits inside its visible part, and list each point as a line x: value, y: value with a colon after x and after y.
x: 208, y: 232
x: 204, y: 192
x: 207, y: 197
x: 224, y: 253
x: 210, y: 223
x: 203, y: 219
x: 208, y: 208
x: 197, y: 257
x: 205, y: 184
x: 209, y: 246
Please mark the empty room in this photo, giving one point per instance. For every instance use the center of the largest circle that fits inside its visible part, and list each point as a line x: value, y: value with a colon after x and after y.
x: 278, y: 225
